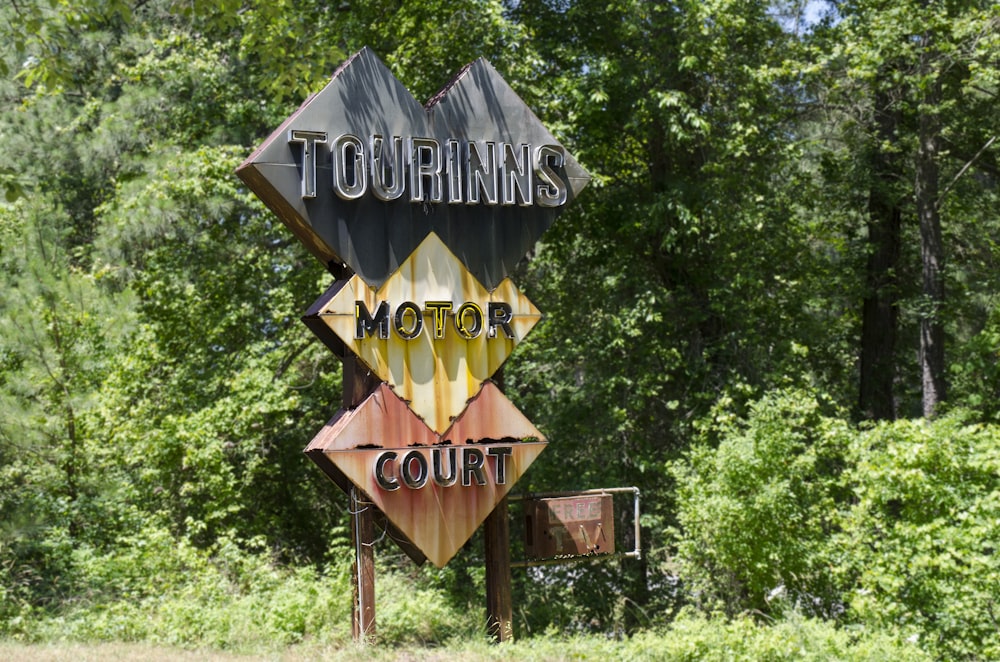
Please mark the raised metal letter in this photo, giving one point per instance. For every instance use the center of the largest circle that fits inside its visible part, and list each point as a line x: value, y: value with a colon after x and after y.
x: 500, y: 314
x: 365, y: 324
x: 425, y: 164
x: 481, y: 173
x: 350, y: 174
x: 439, y: 477
x: 517, y: 174
x: 418, y: 320
x: 472, y: 465
x: 501, y: 453
x: 454, y: 169
x: 387, y: 165
x: 551, y: 190
x: 308, y: 139
x: 413, y: 481
x: 439, y: 310
x: 464, y: 330
x: 388, y: 483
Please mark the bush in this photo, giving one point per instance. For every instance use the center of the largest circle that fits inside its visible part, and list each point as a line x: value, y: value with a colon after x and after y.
x: 409, y: 613
x: 156, y: 588
x: 921, y: 541
x: 756, y: 511
x: 892, y: 528
x: 153, y: 587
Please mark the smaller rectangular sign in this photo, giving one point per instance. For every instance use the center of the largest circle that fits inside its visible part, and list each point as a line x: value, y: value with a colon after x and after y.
x: 569, y: 526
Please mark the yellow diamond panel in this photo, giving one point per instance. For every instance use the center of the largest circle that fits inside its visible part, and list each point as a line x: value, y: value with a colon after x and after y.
x: 432, y: 331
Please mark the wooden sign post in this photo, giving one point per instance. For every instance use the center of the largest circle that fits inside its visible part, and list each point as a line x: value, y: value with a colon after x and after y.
x: 499, y: 601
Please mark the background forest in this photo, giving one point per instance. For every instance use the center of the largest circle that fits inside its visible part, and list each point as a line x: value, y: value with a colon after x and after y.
x: 774, y: 310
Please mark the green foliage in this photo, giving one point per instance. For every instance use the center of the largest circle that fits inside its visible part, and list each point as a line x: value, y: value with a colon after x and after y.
x: 156, y: 588
x: 290, y: 47
x: 690, y: 639
x: 156, y: 387
x: 694, y: 638
x: 920, y: 538
x: 153, y: 587
x: 976, y: 371
x: 426, y: 43
x: 409, y: 613
x: 58, y: 331
x: 891, y: 528
x: 874, y: 73
x: 756, y: 511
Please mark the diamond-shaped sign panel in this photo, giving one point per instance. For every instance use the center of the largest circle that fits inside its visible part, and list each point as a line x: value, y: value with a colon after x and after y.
x: 431, y: 330
x: 361, y: 172
x: 434, y: 489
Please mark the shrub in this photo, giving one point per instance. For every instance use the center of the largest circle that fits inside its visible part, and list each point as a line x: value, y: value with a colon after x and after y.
x: 156, y: 588
x: 891, y: 528
x: 922, y: 538
x: 409, y: 612
x: 756, y: 511
x: 695, y: 638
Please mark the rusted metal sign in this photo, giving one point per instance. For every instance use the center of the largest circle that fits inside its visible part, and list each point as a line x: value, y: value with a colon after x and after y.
x: 436, y: 489
x: 423, y: 212
x: 431, y: 330
x: 569, y: 526
x: 362, y: 172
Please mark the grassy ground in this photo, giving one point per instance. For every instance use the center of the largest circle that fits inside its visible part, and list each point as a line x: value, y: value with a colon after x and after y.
x: 108, y: 652
x: 122, y: 652
x: 705, y: 642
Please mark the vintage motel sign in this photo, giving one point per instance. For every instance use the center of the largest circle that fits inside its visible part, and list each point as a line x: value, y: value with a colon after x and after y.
x: 429, y: 208
x: 569, y: 526
x: 362, y: 172
x: 437, y: 445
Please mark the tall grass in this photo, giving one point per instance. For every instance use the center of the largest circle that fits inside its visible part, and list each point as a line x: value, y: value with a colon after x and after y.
x: 156, y: 597
x: 159, y: 590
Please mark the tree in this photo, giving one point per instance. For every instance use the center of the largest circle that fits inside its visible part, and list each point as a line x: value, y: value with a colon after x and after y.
x: 660, y: 284
x: 683, y: 275
x: 910, y: 64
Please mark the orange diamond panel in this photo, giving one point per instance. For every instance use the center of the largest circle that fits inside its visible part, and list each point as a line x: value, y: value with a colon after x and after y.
x: 435, y: 489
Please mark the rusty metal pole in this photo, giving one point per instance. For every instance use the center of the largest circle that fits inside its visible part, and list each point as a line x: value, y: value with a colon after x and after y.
x: 355, y: 388
x: 499, y: 601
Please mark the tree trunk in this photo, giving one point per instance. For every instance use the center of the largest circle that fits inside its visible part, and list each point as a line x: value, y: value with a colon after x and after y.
x: 926, y: 186
x: 879, y: 315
